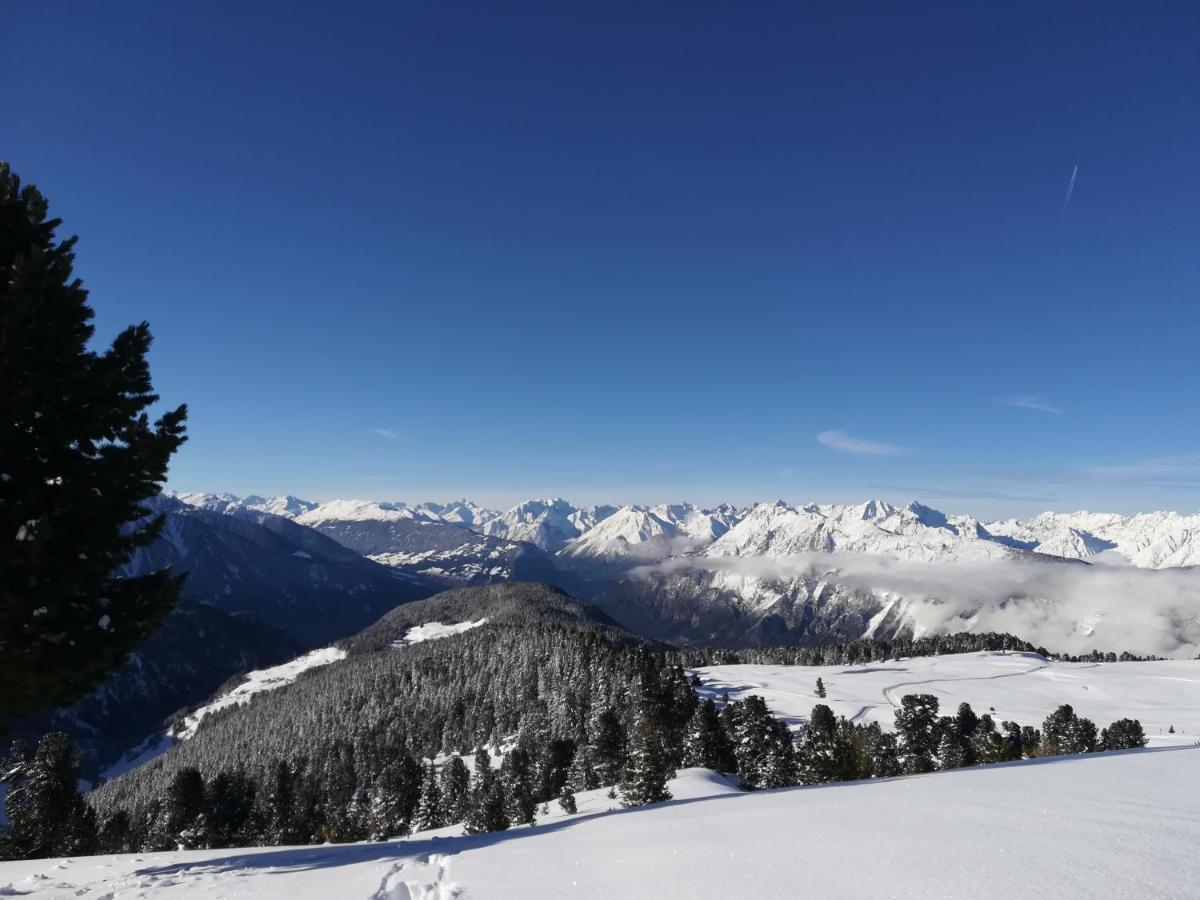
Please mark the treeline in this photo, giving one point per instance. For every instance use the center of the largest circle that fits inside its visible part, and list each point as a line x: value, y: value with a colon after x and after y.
x: 356, y: 792
x: 867, y: 650
x: 637, y: 753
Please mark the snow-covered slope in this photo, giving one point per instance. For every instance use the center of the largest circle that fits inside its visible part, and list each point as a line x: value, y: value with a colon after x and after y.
x: 257, y: 682
x: 449, y: 554
x: 1108, y: 825
x: 1155, y: 540
x: 1021, y: 687
x: 432, y: 631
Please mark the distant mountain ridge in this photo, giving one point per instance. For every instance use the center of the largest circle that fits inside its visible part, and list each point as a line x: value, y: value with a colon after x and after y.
x: 573, y: 534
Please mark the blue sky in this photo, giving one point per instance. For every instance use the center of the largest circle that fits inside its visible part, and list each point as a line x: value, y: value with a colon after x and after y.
x: 642, y: 251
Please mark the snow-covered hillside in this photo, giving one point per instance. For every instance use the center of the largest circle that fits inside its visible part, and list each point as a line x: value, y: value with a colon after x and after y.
x: 1021, y: 687
x: 1107, y: 825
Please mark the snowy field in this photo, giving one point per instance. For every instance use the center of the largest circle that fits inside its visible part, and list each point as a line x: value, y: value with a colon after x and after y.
x: 1021, y: 687
x: 1100, y: 826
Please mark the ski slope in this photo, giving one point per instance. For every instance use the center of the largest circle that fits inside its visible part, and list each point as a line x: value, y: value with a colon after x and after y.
x: 1098, y: 826
x: 1022, y: 687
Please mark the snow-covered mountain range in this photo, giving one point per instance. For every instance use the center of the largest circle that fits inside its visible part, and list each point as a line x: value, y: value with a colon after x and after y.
x: 779, y: 573
x: 1153, y: 540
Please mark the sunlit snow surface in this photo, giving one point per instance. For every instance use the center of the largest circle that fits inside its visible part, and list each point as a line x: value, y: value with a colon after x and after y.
x: 1110, y: 825
x: 1022, y: 687
x: 261, y: 680
x: 431, y: 631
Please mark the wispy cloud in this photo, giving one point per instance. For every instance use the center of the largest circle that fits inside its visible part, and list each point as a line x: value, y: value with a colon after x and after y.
x: 1031, y: 401
x: 388, y: 433
x: 839, y: 440
x: 963, y: 493
x: 1070, y: 187
x: 1172, y: 471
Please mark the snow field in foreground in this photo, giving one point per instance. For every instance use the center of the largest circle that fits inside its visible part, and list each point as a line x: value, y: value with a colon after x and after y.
x: 1097, y: 826
x: 1022, y: 687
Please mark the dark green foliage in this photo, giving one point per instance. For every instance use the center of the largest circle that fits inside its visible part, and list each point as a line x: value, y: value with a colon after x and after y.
x: 820, y: 688
x: 917, y: 729
x: 1065, y: 732
x: 455, y: 790
x: 1123, y: 734
x: 707, y: 744
x: 516, y: 774
x: 46, y: 814
x: 567, y: 800
x: 648, y: 767
x: 429, y: 810
x: 230, y: 814
x: 81, y: 457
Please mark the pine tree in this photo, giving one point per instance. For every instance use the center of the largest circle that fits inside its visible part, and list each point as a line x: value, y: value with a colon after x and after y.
x: 486, y: 808
x: 455, y: 790
x: 116, y: 835
x: 917, y: 729
x: 229, y: 810
x: 81, y: 457
x: 950, y: 754
x: 705, y: 743
x: 280, y: 816
x: 516, y: 773
x: 647, y: 770
x: 567, y: 800
x: 820, y: 688
x: 608, y: 747
x: 47, y: 816
x: 182, y: 819
x: 582, y: 774
x: 429, y: 810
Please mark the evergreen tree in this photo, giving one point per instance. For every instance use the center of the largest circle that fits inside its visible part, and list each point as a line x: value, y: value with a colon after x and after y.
x: 182, y: 814
x: 582, y: 774
x: 280, y: 825
x: 429, y: 810
x: 917, y: 729
x: 706, y: 744
x: 1065, y: 732
x: 647, y: 769
x: 820, y: 688
x: 950, y: 752
x: 116, y: 835
x: 229, y: 810
x: 486, y: 808
x: 884, y: 754
x: 1123, y: 734
x: 455, y: 790
x: 762, y: 746
x: 47, y: 816
x: 965, y: 723
x: 608, y: 747
x: 516, y: 773
x: 81, y: 457
x: 567, y: 800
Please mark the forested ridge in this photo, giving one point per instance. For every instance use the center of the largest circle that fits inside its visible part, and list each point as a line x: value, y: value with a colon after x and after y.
x: 377, y: 745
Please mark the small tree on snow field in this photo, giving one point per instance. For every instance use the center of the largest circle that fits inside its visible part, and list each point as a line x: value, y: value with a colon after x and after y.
x: 820, y: 688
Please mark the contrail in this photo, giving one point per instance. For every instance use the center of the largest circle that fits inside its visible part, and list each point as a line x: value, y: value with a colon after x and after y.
x: 1070, y: 187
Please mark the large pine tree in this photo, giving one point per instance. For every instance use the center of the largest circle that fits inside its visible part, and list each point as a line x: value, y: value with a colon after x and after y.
x: 81, y: 456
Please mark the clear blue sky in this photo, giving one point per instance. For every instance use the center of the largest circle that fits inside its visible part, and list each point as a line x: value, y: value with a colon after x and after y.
x: 642, y: 251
